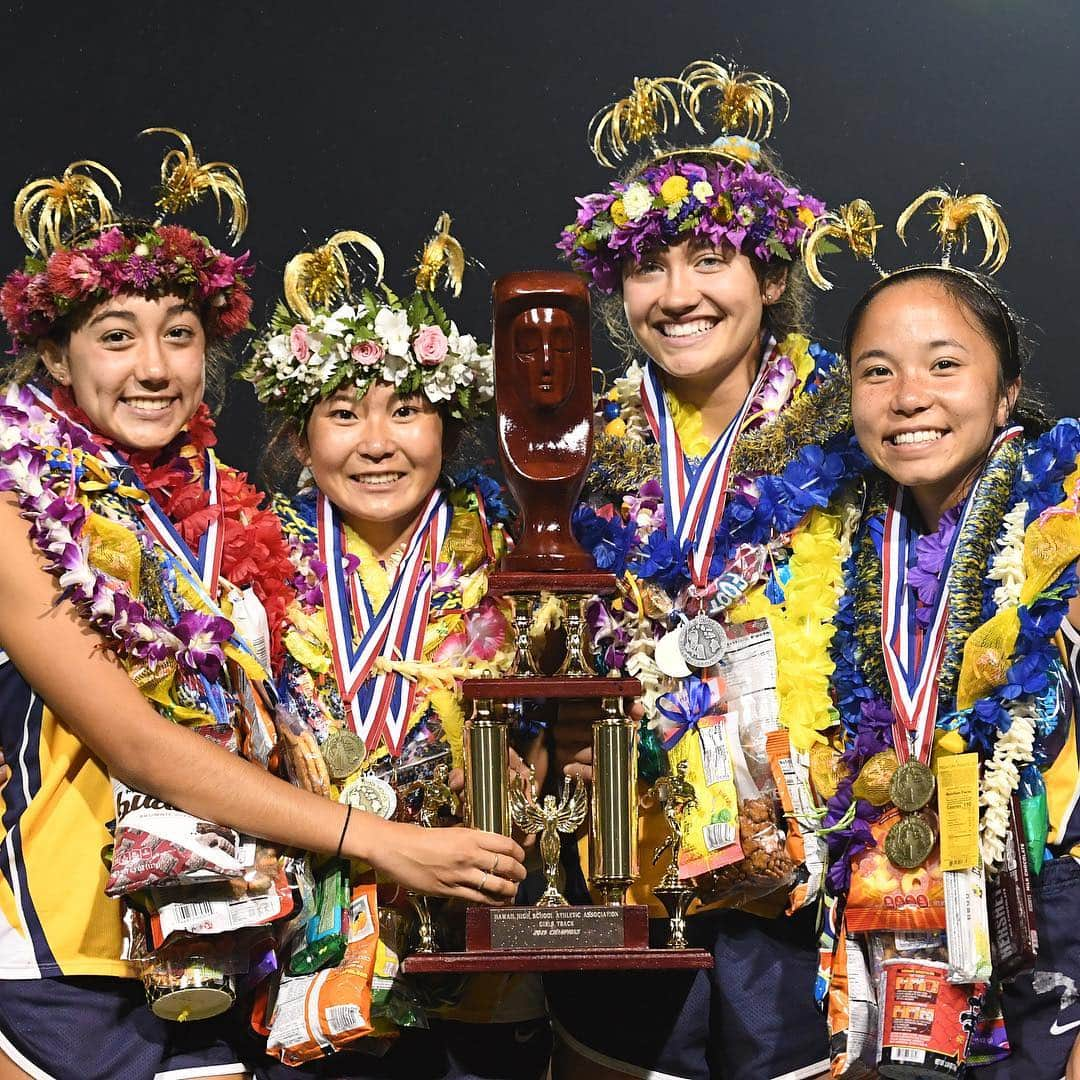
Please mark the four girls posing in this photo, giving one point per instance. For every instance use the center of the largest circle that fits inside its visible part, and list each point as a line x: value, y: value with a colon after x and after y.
x: 889, y: 613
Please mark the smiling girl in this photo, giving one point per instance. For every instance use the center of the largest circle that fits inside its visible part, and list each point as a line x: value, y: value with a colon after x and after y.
x: 708, y: 496
x: 128, y: 559
x: 390, y: 563
x: 958, y: 637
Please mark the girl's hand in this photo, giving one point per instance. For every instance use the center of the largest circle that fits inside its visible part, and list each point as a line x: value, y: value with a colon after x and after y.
x: 573, y: 736
x: 466, y: 864
x: 5, y: 770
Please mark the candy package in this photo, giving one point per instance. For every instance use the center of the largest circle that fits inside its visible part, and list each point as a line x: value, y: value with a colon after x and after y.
x: 885, y: 897
x: 749, y: 707
x: 157, y: 845
x: 321, y: 1013
x: 853, y: 1013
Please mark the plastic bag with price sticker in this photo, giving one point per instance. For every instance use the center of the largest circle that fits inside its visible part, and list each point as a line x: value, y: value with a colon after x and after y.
x: 740, y: 850
x: 321, y: 1013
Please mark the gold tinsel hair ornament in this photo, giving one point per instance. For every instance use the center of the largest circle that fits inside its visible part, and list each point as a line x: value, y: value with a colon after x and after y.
x: 743, y: 108
x: 63, y: 206
x: 854, y: 224
x: 185, y: 180
x: 320, y: 278
x: 442, y: 254
x: 81, y: 252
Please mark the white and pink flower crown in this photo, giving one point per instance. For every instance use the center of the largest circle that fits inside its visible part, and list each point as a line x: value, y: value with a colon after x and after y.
x: 321, y: 337
x: 80, y: 253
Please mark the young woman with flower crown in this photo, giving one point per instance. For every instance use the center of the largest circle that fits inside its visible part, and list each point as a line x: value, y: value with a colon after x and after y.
x: 710, y: 496
x: 391, y: 613
x: 129, y: 558
x: 956, y: 669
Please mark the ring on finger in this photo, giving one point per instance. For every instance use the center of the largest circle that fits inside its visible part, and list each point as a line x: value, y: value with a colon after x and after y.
x: 483, y: 881
x: 495, y: 864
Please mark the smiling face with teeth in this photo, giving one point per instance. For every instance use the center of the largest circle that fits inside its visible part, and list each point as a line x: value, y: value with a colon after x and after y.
x: 377, y: 459
x: 135, y: 366
x: 927, y: 392
x: 698, y: 312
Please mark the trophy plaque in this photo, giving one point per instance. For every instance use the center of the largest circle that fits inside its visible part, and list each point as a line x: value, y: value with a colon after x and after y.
x: 544, y: 404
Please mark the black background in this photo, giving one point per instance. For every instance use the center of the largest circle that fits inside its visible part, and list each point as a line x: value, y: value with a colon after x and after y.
x: 378, y: 116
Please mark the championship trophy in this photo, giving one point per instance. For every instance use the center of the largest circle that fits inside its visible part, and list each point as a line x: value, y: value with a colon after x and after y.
x: 543, y: 398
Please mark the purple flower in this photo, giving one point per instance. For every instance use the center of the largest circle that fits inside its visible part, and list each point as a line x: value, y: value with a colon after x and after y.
x: 202, y: 636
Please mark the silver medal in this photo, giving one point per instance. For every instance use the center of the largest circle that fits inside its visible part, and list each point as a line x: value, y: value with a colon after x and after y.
x: 702, y: 642
x: 372, y: 794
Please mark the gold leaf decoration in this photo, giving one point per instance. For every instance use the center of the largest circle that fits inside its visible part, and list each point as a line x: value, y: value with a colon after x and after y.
x: 320, y: 278
x: 75, y: 199
x: 952, y: 214
x: 185, y: 180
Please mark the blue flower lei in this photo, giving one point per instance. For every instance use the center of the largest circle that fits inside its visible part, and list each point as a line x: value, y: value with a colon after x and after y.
x: 777, y: 505
x: 1035, y: 670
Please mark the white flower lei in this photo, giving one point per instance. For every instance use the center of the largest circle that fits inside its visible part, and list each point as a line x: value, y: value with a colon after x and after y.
x: 1014, y: 747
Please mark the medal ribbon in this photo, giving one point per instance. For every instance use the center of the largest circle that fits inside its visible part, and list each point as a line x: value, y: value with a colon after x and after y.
x: 695, y: 505
x: 913, y: 673
x: 205, y: 564
x: 380, y: 704
x: 202, y: 571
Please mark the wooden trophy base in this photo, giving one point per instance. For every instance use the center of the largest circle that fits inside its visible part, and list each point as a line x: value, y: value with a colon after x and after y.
x: 559, y: 582
x: 540, y: 687
x: 584, y: 938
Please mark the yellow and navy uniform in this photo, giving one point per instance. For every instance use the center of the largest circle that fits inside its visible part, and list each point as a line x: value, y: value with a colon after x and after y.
x: 55, y: 918
x: 1062, y: 778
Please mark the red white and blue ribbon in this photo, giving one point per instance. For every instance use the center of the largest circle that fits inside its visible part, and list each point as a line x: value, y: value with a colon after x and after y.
x: 204, y: 564
x: 695, y: 504
x: 913, y: 672
x: 380, y: 703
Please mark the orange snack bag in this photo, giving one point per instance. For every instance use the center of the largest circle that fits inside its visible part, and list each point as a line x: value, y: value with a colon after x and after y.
x: 884, y: 897
x: 320, y: 1013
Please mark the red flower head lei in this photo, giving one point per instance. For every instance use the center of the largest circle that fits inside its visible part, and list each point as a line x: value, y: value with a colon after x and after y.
x: 324, y: 336
x: 718, y: 191
x: 80, y: 253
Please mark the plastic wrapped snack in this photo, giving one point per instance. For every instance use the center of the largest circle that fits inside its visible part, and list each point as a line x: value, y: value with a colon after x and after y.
x: 323, y: 1012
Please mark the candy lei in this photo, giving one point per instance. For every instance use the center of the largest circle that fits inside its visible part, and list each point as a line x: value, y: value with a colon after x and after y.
x: 1008, y: 597
x: 788, y: 507
x: 55, y: 471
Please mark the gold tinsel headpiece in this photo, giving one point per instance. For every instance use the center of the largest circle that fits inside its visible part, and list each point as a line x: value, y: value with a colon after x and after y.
x: 80, y: 252
x: 744, y: 107
x: 854, y: 223
x: 320, y: 278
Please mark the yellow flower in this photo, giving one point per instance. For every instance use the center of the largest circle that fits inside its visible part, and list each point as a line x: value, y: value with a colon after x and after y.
x: 806, y: 216
x: 616, y: 427
x: 674, y: 189
x: 618, y: 213
x: 797, y: 347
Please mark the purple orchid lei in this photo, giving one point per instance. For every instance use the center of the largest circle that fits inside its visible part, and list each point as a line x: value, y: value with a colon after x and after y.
x: 749, y: 209
x: 36, y: 451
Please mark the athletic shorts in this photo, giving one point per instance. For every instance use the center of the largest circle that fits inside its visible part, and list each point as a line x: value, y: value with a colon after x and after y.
x: 448, y: 1050
x: 752, y: 1017
x: 100, y: 1028
x: 1042, y: 1008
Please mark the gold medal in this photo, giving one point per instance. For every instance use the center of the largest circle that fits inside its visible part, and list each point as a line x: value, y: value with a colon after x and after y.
x: 872, y: 783
x: 911, y: 786
x: 344, y: 753
x: 909, y: 842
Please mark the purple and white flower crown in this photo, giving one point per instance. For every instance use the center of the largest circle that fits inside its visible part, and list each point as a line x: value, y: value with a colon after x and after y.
x: 721, y: 202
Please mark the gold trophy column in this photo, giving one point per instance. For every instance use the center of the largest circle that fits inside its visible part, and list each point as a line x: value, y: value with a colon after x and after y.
x: 487, y: 780
x: 613, y: 849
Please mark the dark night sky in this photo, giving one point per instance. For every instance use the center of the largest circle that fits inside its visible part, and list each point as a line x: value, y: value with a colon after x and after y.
x: 377, y: 117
